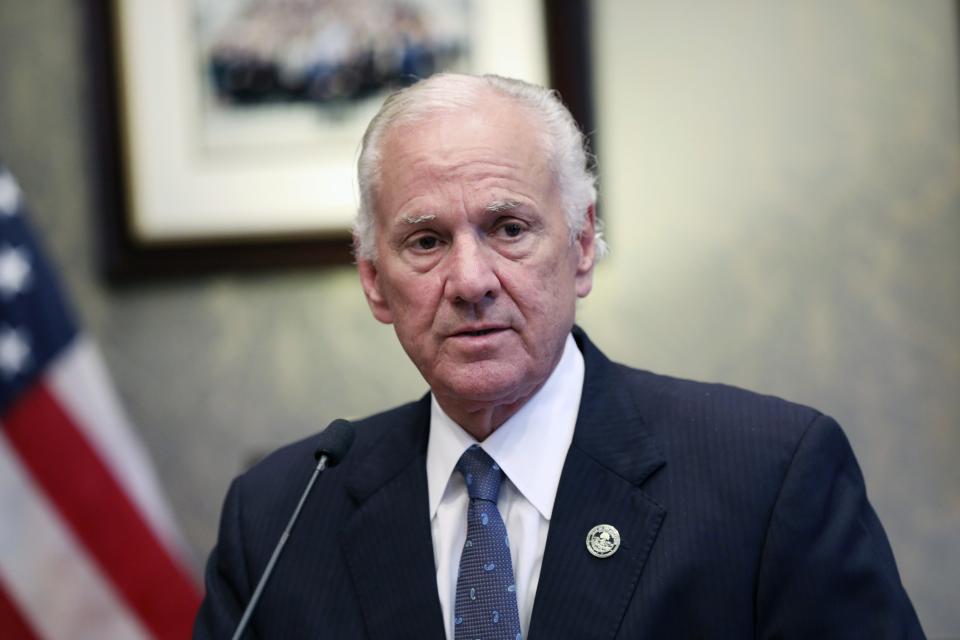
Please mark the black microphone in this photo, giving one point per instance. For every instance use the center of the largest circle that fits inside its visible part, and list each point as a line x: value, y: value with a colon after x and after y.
x: 334, y: 442
x: 332, y: 446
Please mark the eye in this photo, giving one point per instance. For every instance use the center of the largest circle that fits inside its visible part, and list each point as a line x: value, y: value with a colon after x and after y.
x: 513, y: 229
x: 422, y: 242
x: 426, y: 243
x: 510, y: 229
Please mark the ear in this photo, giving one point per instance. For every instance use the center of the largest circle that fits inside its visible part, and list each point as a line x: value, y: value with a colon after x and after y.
x: 586, y: 244
x: 370, y: 279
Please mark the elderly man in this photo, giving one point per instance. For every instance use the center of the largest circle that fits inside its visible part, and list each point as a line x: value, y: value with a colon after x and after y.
x: 540, y: 490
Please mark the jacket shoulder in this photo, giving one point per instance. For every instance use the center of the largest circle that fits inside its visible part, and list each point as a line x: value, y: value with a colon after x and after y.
x: 287, y: 468
x: 675, y: 407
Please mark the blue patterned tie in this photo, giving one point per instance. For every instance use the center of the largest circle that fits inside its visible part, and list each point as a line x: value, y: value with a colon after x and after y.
x: 486, y: 605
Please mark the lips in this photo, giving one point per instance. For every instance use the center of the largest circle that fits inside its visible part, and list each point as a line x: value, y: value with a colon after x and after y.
x: 478, y: 332
x: 481, y: 332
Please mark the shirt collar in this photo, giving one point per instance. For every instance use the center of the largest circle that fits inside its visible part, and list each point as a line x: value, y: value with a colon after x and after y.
x: 530, y: 447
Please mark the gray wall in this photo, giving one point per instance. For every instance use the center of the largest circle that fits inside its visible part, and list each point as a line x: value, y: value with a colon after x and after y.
x: 781, y: 183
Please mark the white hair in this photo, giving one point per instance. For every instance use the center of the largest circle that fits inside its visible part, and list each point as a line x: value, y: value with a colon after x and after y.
x: 567, y: 155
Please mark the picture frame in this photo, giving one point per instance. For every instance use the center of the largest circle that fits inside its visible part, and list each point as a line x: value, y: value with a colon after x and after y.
x: 167, y: 209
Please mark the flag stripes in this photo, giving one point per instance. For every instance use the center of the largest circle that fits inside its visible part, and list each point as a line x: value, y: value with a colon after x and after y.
x: 14, y: 626
x: 100, y: 514
x: 88, y: 546
x: 47, y: 573
x: 76, y: 379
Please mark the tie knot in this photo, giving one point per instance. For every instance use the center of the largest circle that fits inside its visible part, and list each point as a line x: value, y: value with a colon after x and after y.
x: 482, y: 474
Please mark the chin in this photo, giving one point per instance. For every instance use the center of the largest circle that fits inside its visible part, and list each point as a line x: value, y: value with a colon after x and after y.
x: 485, y: 383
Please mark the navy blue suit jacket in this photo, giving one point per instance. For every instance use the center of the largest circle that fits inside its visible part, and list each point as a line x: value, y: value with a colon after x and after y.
x: 740, y: 516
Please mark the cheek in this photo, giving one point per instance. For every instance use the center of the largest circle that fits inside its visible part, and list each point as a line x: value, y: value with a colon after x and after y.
x: 557, y: 277
x: 415, y: 302
x: 545, y: 295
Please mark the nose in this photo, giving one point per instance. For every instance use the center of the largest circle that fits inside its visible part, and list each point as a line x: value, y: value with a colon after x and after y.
x: 470, y: 274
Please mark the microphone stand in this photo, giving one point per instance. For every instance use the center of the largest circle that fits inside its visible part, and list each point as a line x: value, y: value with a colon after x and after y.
x: 241, y: 627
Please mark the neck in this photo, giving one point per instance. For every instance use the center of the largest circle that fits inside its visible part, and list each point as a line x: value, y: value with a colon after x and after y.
x: 481, y: 422
x: 480, y: 418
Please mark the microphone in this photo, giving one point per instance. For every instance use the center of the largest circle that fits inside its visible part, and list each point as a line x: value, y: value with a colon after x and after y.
x: 332, y: 446
x: 334, y: 442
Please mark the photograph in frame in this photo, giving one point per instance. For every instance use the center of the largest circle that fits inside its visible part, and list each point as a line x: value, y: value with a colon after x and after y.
x: 237, y: 122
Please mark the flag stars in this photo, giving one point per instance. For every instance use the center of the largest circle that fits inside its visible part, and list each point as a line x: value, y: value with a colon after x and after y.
x: 14, y: 271
x: 14, y: 351
x: 9, y: 194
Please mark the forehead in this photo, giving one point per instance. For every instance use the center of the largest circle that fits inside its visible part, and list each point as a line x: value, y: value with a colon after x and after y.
x: 497, y: 145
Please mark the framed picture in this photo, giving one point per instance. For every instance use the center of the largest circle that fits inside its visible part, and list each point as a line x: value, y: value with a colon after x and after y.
x: 229, y: 129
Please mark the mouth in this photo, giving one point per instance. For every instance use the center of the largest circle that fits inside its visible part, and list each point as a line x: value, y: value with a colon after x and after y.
x: 482, y: 332
x: 476, y: 333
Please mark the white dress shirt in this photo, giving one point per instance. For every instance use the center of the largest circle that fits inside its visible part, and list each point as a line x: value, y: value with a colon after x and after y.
x: 530, y: 447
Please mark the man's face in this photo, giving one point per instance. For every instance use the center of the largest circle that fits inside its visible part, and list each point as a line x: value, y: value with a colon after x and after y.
x: 475, y: 266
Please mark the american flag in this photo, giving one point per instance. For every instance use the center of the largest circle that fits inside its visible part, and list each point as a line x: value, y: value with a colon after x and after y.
x: 88, y: 545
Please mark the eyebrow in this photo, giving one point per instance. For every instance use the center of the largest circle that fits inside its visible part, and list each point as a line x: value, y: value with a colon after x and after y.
x: 418, y: 219
x: 499, y: 206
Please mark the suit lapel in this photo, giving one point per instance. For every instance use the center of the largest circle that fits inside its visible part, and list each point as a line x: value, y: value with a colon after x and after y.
x: 387, y: 542
x: 579, y: 595
x: 388, y: 547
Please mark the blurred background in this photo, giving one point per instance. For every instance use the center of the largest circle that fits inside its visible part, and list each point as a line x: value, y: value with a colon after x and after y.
x: 781, y: 189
